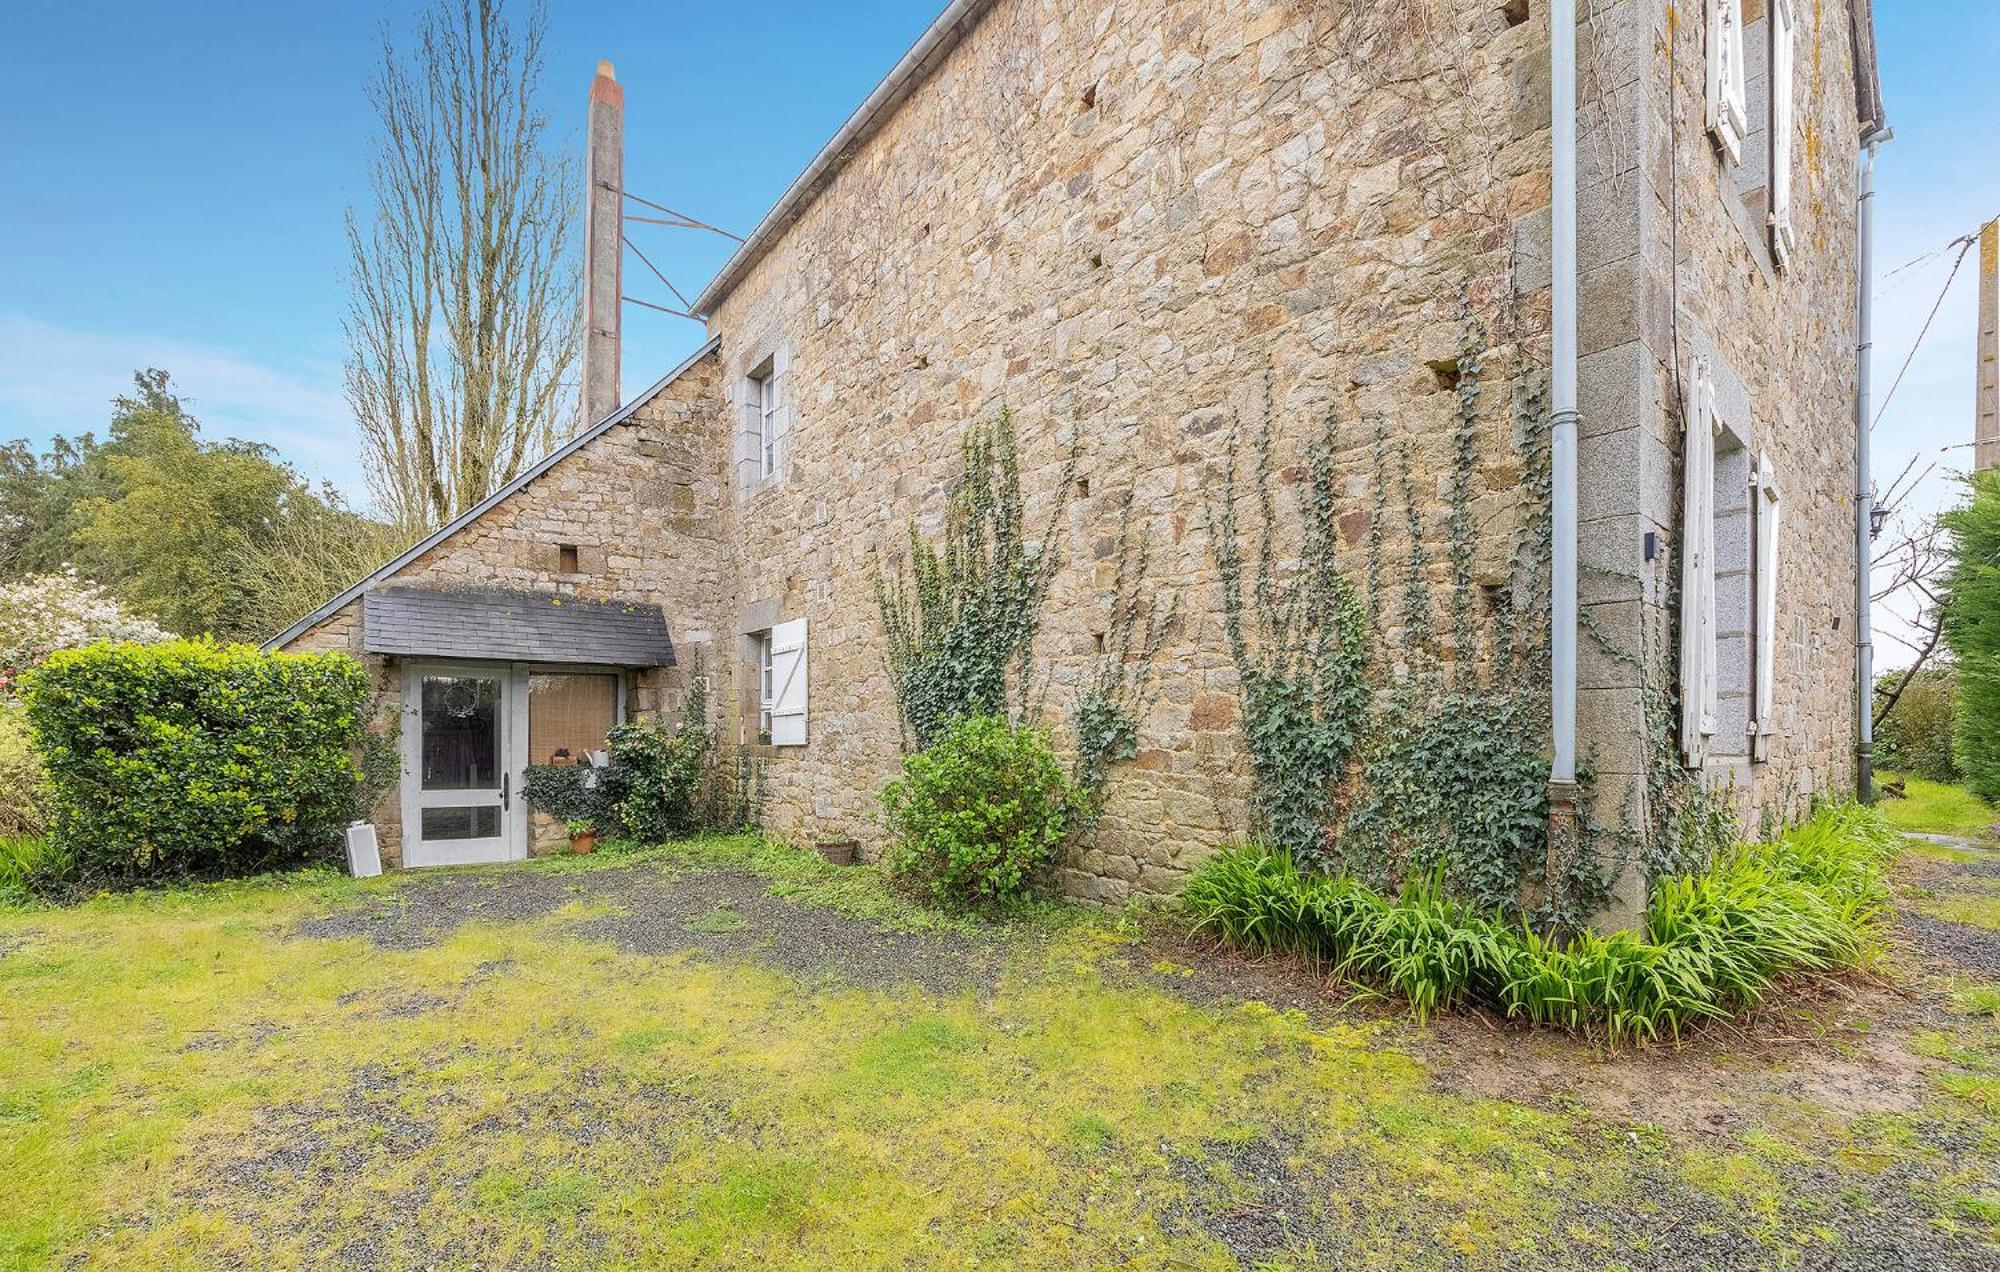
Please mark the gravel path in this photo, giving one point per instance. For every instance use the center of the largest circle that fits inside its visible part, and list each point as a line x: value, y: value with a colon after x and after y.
x: 659, y: 911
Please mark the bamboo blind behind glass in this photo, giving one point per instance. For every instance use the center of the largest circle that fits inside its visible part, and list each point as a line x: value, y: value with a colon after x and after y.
x: 569, y: 710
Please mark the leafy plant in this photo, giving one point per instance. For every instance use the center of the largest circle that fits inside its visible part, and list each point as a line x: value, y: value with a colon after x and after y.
x: 1972, y: 629
x: 660, y: 772
x: 1714, y: 943
x: 1918, y: 737
x: 193, y: 758
x: 961, y: 621
x: 574, y: 792
x: 23, y: 785
x: 980, y: 813
x: 1299, y: 644
x: 33, y: 869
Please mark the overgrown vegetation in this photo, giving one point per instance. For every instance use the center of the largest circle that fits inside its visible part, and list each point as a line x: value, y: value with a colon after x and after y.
x: 1972, y: 630
x: 1919, y: 737
x: 1389, y: 740
x: 979, y: 814
x: 216, y: 537
x: 192, y: 758
x: 1714, y: 943
x: 23, y: 784
x: 661, y: 782
x: 960, y: 620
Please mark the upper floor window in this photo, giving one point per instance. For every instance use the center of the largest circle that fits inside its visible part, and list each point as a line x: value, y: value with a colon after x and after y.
x: 763, y: 436
x: 1728, y: 115
x: 768, y: 387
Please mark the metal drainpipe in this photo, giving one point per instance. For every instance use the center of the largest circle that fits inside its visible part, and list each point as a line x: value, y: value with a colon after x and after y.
x: 1563, y: 426
x: 1864, y: 495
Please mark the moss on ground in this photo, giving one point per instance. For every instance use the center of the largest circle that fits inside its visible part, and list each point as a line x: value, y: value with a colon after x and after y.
x: 186, y: 1081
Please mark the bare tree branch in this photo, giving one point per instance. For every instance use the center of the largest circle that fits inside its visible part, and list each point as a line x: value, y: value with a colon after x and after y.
x: 463, y: 312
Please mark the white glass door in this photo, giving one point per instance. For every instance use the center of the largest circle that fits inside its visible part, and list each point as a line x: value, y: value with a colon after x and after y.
x: 457, y: 801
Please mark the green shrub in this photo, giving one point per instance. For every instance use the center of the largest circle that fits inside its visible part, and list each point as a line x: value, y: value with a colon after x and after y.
x: 1714, y: 943
x: 1917, y: 736
x: 23, y: 786
x: 656, y: 778
x: 574, y: 792
x: 193, y: 758
x: 979, y: 813
x: 1972, y: 630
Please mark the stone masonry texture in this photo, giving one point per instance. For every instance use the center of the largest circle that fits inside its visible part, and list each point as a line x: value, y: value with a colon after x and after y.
x: 1139, y: 227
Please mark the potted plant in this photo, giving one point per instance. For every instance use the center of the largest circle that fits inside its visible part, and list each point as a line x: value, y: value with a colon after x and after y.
x: 582, y: 835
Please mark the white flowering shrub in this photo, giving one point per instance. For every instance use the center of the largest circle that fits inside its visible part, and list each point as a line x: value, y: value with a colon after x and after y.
x: 47, y: 612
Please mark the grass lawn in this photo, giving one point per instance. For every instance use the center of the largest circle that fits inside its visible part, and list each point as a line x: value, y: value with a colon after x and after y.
x: 1937, y: 809
x: 728, y: 1054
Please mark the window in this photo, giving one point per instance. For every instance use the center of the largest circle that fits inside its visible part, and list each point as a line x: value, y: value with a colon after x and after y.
x: 1728, y: 118
x: 766, y: 422
x: 781, y: 684
x: 1782, y: 34
x: 1723, y: 621
x: 768, y: 389
x: 764, y: 686
x: 570, y: 715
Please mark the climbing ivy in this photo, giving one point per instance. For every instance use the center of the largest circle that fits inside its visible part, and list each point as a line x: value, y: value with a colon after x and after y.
x: 961, y: 620
x: 1120, y: 684
x: 1299, y: 643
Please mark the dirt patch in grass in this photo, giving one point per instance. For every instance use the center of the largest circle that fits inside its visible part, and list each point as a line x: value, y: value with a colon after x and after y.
x: 650, y: 910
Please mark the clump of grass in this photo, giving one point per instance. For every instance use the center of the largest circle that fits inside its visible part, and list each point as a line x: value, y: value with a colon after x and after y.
x: 1937, y: 809
x: 1714, y: 944
x: 1976, y: 1000
x: 31, y: 869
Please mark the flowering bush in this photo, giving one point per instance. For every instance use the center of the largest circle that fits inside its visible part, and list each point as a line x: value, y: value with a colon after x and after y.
x: 47, y: 612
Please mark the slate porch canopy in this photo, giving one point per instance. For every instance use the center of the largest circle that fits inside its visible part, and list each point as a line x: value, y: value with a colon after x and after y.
x: 514, y: 627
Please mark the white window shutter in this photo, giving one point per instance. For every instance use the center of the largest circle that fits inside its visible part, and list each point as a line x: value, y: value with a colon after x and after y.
x: 781, y: 386
x: 1698, y: 652
x: 1782, y: 29
x: 788, y: 683
x: 1766, y: 614
x: 1727, y: 114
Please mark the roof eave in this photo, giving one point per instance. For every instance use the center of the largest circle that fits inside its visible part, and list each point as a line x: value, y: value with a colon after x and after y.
x: 931, y: 47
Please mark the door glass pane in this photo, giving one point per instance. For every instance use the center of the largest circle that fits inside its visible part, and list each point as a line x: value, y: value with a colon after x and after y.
x: 570, y: 712
x: 480, y: 821
x: 461, y: 733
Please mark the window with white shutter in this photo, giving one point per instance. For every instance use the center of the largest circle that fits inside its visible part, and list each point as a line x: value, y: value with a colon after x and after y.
x: 1782, y: 38
x: 1697, y: 618
x: 1764, y: 499
x: 1728, y: 116
x: 787, y: 692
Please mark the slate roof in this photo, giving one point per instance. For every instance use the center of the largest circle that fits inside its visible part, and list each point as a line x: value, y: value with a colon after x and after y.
x: 515, y: 626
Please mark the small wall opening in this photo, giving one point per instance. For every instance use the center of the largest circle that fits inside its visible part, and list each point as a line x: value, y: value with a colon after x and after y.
x: 1090, y: 97
x: 1514, y: 12
x: 567, y: 559
x: 1445, y: 370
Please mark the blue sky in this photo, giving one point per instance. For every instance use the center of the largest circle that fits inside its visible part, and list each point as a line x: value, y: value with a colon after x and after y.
x: 176, y: 175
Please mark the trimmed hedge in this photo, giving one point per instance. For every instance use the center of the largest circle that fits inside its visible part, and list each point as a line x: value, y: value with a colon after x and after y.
x: 1714, y: 944
x: 193, y: 758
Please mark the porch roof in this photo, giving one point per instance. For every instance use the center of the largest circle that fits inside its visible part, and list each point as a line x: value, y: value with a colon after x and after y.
x: 514, y: 626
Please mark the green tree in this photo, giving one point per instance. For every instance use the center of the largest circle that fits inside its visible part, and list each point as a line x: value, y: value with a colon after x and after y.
x: 215, y: 537
x: 1972, y: 629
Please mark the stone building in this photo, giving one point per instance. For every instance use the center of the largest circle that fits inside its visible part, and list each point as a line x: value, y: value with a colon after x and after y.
x: 1140, y: 227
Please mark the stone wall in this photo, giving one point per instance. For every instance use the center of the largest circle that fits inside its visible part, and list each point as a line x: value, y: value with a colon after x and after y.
x: 1130, y: 224
x: 644, y: 503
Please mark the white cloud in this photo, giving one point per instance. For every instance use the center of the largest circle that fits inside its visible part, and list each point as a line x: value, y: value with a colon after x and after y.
x: 61, y: 380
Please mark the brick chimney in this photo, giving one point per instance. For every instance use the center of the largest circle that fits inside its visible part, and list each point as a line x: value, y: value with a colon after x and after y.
x: 603, y: 244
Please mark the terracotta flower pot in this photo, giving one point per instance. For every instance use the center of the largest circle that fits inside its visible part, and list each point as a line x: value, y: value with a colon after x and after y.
x: 583, y: 841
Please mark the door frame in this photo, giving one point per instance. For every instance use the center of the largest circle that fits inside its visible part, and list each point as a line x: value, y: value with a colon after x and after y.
x: 515, y: 818
x: 513, y: 837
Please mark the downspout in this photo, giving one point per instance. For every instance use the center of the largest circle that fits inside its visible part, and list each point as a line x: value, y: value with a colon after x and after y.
x: 1562, y: 434
x: 1864, y: 493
